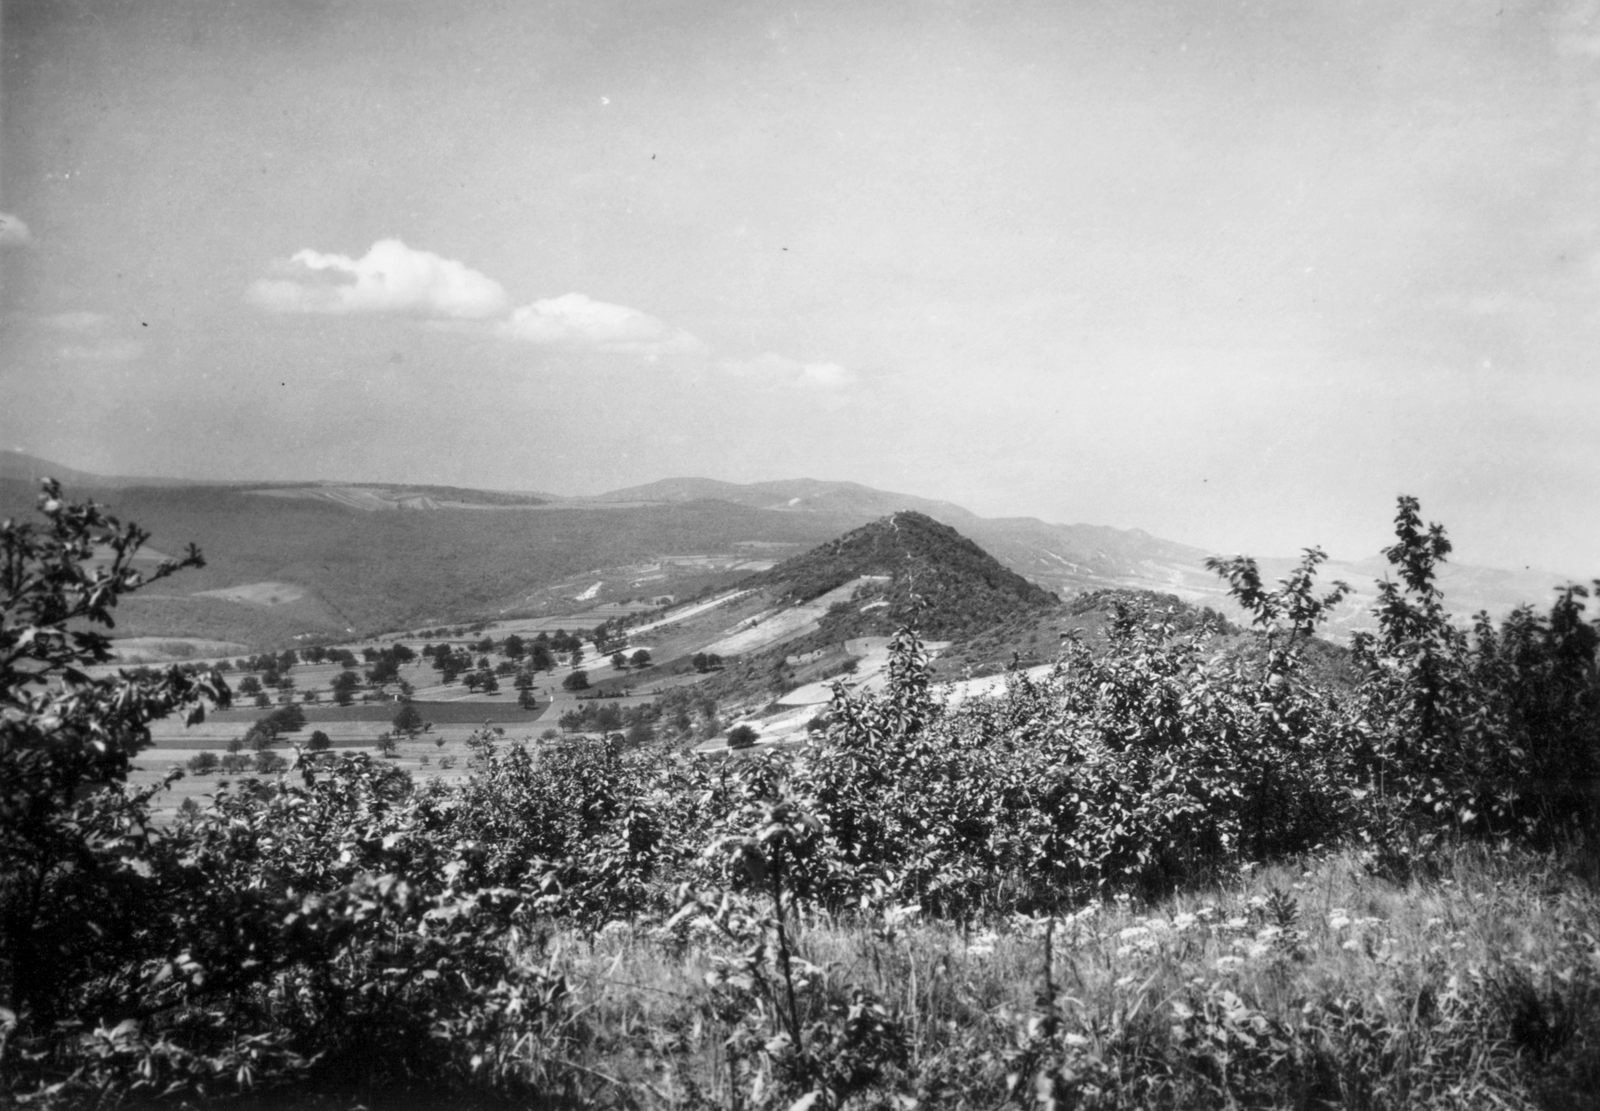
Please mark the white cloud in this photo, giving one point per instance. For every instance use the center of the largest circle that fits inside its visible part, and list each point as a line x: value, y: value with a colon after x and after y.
x: 389, y: 278
x: 13, y: 231
x: 573, y: 320
x: 775, y: 368
x: 75, y: 321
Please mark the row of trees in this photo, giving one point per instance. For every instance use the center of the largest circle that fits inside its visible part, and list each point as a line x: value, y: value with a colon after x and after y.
x: 681, y: 714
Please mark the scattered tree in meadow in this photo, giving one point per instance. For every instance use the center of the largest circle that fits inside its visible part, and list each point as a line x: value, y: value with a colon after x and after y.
x: 286, y: 719
x: 641, y: 658
x: 576, y: 681
x: 619, y: 661
x: 268, y: 762
x: 741, y: 736
x: 385, y: 669
x: 319, y: 741
x: 408, y: 719
x: 344, y: 687
x: 203, y: 763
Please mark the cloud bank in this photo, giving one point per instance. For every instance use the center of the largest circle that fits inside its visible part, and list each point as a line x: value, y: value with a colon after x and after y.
x: 575, y: 321
x: 390, y: 278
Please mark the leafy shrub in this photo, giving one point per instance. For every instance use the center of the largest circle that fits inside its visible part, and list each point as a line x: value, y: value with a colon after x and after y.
x: 70, y: 906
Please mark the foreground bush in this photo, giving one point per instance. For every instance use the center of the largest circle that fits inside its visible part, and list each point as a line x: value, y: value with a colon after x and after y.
x: 318, y: 929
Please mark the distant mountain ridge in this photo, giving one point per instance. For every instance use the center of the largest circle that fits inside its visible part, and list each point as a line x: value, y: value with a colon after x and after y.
x: 446, y: 554
x: 19, y: 466
x: 795, y: 495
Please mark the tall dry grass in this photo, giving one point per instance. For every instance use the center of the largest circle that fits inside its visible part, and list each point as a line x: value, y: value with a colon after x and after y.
x: 1311, y: 985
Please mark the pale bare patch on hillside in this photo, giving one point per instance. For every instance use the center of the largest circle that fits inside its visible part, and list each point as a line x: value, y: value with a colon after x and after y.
x: 770, y: 627
x: 149, y: 650
x: 257, y: 594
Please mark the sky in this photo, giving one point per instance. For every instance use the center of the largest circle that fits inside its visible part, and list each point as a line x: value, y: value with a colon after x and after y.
x: 1234, y: 273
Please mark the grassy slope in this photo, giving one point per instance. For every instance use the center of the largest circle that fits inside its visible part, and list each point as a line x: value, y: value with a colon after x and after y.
x: 1475, y: 988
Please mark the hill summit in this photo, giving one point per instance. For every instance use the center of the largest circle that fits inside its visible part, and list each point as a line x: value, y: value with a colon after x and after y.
x: 917, y: 570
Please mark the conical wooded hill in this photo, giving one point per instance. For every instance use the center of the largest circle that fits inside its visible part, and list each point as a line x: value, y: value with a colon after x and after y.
x: 934, y: 575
